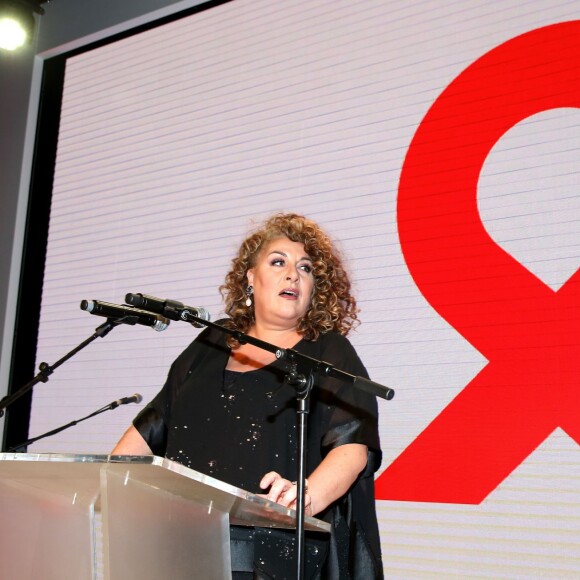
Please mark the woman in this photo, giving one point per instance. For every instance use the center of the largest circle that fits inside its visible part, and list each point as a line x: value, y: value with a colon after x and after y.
x: 225, y: 409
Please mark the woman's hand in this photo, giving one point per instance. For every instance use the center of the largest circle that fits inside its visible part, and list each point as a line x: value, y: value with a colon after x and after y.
x: 327, y: 483
x: 284, y: 492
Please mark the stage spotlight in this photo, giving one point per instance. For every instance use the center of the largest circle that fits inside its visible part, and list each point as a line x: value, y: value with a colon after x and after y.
x: 17, y: 22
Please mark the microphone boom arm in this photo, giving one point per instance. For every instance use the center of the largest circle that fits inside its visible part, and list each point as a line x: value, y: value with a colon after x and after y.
x: 293, y: 356
x: 108, y: 407
x: 45, y: 370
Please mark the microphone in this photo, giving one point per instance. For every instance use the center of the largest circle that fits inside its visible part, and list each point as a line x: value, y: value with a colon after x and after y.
x: 125, y: 314
x: 136, y: 398
x: 170, y: 308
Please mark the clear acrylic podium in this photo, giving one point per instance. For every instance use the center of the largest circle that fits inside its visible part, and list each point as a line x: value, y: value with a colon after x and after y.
x: 88, y: 517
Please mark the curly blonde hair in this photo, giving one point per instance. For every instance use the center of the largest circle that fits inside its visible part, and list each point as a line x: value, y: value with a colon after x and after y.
x: 332, y: 306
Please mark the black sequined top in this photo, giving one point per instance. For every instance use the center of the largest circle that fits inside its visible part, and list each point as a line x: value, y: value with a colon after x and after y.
x: 238, y: 426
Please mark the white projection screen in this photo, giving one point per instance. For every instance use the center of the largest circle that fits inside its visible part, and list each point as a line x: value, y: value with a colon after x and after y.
x: 438, y: 143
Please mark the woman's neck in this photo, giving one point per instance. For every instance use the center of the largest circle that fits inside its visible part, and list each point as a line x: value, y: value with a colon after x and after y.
x: 282, y: 337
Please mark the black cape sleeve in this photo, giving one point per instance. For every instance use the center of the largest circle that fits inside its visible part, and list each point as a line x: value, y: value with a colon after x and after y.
x: 153, y: 420
x: 342, y: 414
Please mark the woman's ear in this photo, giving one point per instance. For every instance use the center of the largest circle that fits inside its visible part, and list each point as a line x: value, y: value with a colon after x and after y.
x: 250, y: 276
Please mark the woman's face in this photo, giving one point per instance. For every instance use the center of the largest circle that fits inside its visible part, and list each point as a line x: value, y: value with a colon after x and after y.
x: 283, y: 282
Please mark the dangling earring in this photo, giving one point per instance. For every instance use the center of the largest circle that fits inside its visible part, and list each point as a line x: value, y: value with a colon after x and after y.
x: 249, y: 292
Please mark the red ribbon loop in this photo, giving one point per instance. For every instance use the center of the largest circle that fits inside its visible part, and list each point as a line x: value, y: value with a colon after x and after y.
x: 528, y: 332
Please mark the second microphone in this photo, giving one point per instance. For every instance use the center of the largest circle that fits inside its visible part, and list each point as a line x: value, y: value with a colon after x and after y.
x: 171, y: 309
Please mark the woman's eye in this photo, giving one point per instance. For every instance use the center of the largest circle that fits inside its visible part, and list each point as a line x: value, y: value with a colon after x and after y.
x: 307, y: 268
x: 278, y: 262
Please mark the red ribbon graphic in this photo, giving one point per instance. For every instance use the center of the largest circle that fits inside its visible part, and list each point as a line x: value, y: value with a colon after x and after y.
x: 528, y: 332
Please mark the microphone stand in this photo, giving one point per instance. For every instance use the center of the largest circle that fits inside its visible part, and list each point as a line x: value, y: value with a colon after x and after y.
x: 108, y: 407
x: 45, y: 370
x: 303, y: 388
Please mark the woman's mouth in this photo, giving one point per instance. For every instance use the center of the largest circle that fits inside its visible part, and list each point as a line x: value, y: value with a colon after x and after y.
x: 291, y: 293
